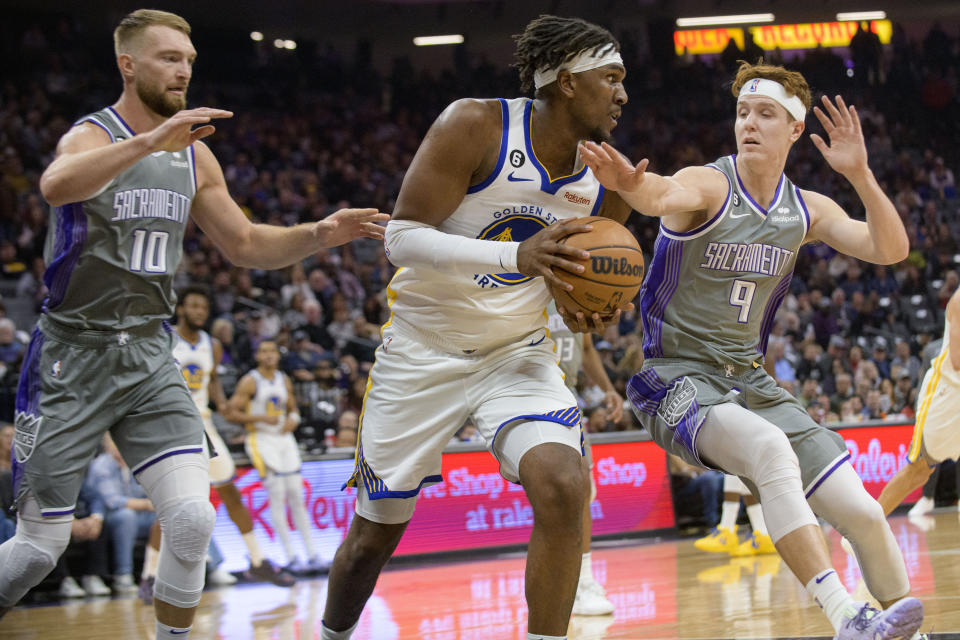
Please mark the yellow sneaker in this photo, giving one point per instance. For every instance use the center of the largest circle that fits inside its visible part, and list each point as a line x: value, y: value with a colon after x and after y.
x: 720, y: 540
x: 756, y: 544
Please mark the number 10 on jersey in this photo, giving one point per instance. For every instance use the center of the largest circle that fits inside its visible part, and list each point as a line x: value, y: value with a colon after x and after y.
x: 149, y: 252
x: 741, y: 295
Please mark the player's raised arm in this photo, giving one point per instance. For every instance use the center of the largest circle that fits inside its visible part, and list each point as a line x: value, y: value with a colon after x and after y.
x: 87, y: 160
x: 266, y: 246
x: 882, y: 239
x: 691, y: 191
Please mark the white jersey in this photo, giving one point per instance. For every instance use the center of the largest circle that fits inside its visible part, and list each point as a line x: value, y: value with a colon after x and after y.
x: 196, y: 364
x: 515, y: 201
x: 948, y: 374
x: 270, y: 399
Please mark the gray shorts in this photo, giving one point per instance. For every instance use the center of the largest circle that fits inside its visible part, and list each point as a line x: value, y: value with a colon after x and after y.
x: 75, y: 386
x: 671, y: 399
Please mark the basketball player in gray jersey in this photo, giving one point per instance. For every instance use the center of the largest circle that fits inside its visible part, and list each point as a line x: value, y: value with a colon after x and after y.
x: 122, y: 185
x: 730, y: 232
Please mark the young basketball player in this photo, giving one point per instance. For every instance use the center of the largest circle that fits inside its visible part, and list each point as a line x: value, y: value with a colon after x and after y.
x: 936, y: 434
x: 122, y: 185
x: 264, y: 402
x: 475, y: 228
x: 198, y: 354
x: 730, y: 232
x: 575, y: 351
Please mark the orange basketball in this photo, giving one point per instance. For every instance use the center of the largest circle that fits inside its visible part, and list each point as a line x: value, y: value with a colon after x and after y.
x: 613, y: 274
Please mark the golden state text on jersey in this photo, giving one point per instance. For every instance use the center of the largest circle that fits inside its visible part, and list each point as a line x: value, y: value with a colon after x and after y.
x: 518, y: 199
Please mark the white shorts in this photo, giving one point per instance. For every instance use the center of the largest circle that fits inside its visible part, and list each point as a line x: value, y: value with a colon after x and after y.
x: 275, y: 453
x: 936, y: 433
x: 418, y: 395
x: 222, y: 468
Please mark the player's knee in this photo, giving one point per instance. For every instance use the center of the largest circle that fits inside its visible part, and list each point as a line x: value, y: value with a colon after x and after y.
x: 557, y: 490
x: 188, y: 526
x: 773, y: 459
x: 31, y: 562
x: 373, y: 543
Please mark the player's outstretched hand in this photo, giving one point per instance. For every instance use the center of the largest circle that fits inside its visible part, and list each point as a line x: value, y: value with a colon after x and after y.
x: 846, y: 154
x: 612, y: 168
x: 541, y: 252
x: 177, y: 133
x: 346, y: 225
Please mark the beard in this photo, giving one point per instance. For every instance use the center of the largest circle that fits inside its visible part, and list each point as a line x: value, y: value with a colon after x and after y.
x: 158, y: 101
x: 598, y: 135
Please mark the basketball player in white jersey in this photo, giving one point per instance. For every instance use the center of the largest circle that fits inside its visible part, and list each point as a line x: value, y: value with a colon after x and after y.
x: 475, y: 227
x: 264, y: 402
x: 936, y: 432
x: 730, y: 232
x: 198, y: 354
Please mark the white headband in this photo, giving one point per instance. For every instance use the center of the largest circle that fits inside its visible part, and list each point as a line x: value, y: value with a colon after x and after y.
x: 583, y: 61
x: 773, y: 89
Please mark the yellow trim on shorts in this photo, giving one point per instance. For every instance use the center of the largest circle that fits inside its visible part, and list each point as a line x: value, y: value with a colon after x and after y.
x: 921, y: 420
x: 257, y: 460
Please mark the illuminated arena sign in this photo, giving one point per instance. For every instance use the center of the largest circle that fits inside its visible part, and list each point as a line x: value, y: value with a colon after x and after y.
x: 771, y: 36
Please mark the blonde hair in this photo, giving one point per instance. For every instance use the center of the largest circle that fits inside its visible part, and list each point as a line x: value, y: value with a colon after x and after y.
x: 794, y: 83
x: 134, y: 24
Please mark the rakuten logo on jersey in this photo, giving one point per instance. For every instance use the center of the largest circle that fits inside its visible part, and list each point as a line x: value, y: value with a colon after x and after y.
x: 576, y: 199
x: 875, y: 464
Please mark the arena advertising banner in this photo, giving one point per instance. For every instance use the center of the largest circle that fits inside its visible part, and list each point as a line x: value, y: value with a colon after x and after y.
x: 877, y: 453
x: 473, y: 508
x: 774, y: 36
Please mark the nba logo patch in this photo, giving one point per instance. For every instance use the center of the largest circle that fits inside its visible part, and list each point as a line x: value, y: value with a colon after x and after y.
x: 753, y: 85
x: 55, y: 369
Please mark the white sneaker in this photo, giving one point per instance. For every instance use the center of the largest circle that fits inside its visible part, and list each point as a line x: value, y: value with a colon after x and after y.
x: 124, y: 584
x: 591, y: 600
x: 220, y: 578
x: 94, y: 586
x: 70, y: 589
x: 923, y: 506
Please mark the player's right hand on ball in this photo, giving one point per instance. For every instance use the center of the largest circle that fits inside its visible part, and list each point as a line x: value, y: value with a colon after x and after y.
x: 544, y: 250
x: 579, y: 322
x: 177, y: 132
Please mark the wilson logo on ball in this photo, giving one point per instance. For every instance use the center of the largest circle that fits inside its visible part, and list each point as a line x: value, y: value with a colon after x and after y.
x: 622, y: 267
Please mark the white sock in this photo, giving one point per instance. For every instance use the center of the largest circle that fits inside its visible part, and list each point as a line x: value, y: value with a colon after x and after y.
x: 253, y: 547
x: 586, y: 568
x: 828, y: 592
x: 163, y: 631
x: 755, y: 513
x: 150, y: 563
x: 728, y: 517
x: 537, y: 636
x: 328, y: 634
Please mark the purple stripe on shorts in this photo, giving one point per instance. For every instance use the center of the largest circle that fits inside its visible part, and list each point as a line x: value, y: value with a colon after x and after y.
x: 836, y: 465
x: 645, y: 390
x: 174, y: 452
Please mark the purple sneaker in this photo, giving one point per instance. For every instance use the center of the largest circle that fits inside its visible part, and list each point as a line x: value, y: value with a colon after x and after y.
x: 901, y: 620
x: 266, y: 572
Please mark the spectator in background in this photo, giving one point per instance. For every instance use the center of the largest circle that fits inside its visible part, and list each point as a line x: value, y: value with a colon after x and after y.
x: 844, y: 391
x: 347, y: 427
x: 6, y: 445
x: 782, y: 369
x: 941, y: 180
x: 11, y: 349
x: 315, y: 326
x: 688, y: 481
x: 11, y: 268
x: 908, y: 363
x: 901, y: 394
x: 873, y: 407
x: 809, y: 391
x: 7, y: 525
x: 880, y: 357
x: 128, y: 513
x: 89, y: 539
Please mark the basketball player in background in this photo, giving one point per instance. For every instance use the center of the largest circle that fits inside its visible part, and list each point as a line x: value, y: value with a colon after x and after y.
x: 475, y: 232
x: 575, y: 351
x: 723, y: 538
x: 264, y: 402
x: 122, y: 185
x: 198, y: 355
x: 730, y: 232
x: 936, y: 432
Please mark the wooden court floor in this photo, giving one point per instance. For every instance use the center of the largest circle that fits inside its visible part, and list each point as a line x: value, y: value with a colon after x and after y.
x: 661, y: 588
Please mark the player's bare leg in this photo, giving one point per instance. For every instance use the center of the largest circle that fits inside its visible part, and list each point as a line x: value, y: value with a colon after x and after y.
x: 551, y: 476
x: 356, y: 567
x: 906, y: 481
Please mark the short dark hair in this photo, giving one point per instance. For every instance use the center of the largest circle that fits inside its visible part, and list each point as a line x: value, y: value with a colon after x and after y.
x: 193, y: 289
x: 548, y: 41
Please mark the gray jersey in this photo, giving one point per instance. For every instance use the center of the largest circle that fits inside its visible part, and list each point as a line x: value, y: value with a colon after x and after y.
x: 111, y: 259
x: 569, y: 346
x: 711, y: 293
